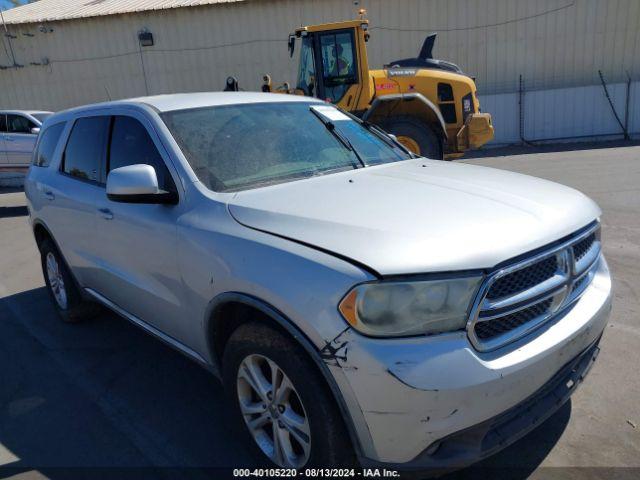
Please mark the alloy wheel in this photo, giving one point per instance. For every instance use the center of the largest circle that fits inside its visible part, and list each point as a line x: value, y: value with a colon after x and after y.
x: 56, y: 281
x: 273, y: 412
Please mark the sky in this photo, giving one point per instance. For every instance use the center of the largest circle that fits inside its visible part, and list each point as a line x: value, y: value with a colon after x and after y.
x: 6, y: 4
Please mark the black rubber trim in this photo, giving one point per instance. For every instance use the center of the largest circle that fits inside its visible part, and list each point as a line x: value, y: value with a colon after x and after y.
x: 160, y: 198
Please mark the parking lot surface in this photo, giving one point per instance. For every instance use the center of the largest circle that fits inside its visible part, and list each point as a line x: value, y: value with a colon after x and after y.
x: 103, y: 399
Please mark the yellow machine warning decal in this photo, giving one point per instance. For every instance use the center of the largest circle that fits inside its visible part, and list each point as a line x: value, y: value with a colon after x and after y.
x: 385, y: 86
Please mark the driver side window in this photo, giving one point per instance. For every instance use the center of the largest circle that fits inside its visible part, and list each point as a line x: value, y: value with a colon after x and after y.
x: 19, y: 124
x: 339, y: 64
x: 131, y: 144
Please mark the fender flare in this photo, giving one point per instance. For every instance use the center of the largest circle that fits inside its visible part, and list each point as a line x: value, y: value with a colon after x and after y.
x: 39, y: 223
x: 280, y: 319
x: 391, y: 101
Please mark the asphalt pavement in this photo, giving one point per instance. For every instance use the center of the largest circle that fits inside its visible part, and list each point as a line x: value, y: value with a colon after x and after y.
x: 102, y: 399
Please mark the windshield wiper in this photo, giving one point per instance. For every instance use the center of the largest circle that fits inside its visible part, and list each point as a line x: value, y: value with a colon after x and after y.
x: 341, y: 138
x: 384, y: 136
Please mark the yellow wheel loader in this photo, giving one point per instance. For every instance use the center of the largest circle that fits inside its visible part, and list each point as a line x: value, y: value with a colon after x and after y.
x: 430, y: 105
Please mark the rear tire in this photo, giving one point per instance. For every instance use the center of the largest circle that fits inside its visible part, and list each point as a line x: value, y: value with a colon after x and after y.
x: 308, y: 406
x: 64, y: 293
x: 413, y: 133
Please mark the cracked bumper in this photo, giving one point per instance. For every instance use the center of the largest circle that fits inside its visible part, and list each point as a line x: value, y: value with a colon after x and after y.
x: 435, y: 402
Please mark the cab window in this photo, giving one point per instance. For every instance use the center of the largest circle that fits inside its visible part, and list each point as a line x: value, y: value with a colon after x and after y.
x: 307, y: 72
x: 338, y: 64
x: 131, y: 145
x: 3, y: 123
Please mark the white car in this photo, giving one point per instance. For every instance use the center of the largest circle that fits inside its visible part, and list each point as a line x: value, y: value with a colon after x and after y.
x: 18, y: 134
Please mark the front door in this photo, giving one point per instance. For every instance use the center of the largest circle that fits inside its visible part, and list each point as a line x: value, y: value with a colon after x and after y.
x: 19, y: 141
x: 138, y: 241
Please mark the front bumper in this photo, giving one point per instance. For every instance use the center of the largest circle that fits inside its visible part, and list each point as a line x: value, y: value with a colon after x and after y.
x: 476, y: 131
x: 480, y: 441
x: 436, y: 402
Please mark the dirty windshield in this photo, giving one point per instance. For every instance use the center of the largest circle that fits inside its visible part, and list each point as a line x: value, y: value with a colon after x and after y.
x: 236, y: 147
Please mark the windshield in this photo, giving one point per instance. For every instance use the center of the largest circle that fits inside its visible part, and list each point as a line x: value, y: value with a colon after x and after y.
x: 235, y: 147
x: 41, y: 117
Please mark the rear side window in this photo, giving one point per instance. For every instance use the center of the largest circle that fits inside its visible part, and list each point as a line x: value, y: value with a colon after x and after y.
x: 19, y: 124
x: 47, y: 145
x: 3, y: 122
x: 85, y: 152
x: 131, y: 145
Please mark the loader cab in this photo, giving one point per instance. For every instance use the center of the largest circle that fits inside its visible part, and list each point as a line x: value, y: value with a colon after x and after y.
x: 332, y: 62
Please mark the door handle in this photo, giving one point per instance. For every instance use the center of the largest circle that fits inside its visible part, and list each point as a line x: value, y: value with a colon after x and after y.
x: 49, y: 195
x: 105, y: 213
x: 9, y: 139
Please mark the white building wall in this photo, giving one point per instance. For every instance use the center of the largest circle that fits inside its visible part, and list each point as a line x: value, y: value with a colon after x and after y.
x: 554, y: 44
x: 563, y: 113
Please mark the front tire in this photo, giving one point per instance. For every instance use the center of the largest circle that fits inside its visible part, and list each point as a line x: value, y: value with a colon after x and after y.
x: 416, y: 135
x: 64, y: 293
x: 281, y: 402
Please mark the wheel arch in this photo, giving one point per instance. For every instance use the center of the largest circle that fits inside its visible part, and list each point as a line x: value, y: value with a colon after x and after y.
x: 412, y: 104
x: 219, y: 329
x: 41, y: 232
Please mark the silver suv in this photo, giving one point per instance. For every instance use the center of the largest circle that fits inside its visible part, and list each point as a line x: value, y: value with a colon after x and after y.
x: 360, y: 304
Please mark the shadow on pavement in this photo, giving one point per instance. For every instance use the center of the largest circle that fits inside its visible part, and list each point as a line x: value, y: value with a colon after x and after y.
x: 6, y: 212
x: 11, y: 190
x: 546, y: 148
x: 102, y: 399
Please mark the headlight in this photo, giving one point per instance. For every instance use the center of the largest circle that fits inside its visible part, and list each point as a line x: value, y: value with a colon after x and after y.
x: 410, y: 308
x: 467, y: 105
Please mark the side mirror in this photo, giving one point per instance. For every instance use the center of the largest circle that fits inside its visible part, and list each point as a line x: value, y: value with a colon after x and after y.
x: 137, y: 184
x: 35, y: 130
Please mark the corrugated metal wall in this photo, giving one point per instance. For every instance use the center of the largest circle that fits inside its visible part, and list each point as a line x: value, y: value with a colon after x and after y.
x: 552, y: 43
x: 563, y: 113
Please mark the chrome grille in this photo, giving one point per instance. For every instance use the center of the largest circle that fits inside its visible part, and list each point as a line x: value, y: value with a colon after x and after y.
x: 523, y: 279
x: 521, y: 297
x: 486, y: 330
x: 581, y: 248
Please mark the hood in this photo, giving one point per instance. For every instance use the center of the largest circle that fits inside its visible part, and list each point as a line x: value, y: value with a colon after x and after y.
x: 418, y: 216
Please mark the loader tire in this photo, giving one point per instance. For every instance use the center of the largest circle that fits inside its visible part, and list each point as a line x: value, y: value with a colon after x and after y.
x: 416, y: 135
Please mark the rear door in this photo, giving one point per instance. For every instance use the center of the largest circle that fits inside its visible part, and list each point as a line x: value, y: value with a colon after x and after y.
x: 138, y: 241
x: 71, y: 193
x: 3, y: 147
x: 19, y: 140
